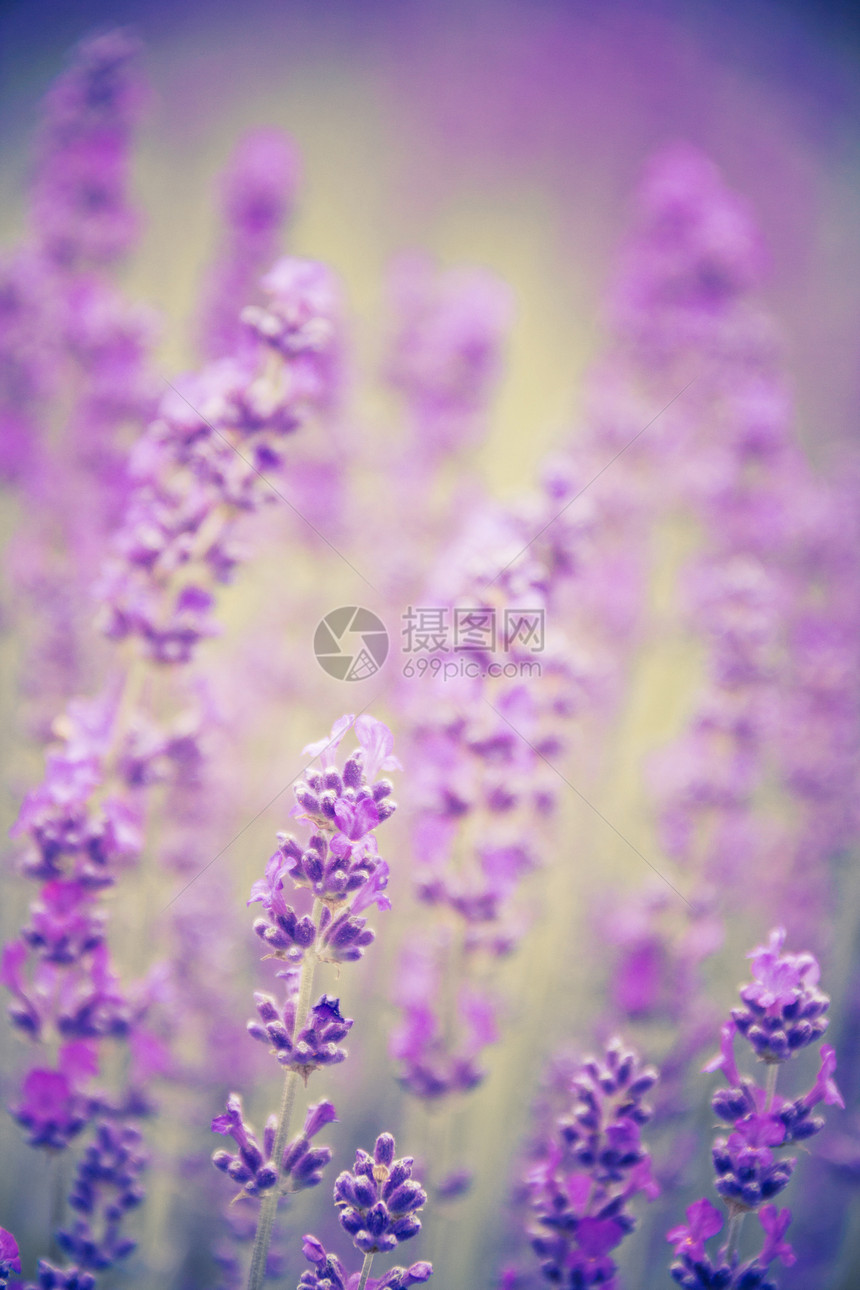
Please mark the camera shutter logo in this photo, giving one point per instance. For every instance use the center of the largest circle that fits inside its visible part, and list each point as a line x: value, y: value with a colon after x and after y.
x: 351, y: 643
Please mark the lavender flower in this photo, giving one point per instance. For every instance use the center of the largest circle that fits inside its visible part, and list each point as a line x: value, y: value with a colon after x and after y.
x: 49, y: 1277
x: 591, y: 1165
x: 378, y: 1201
x: 202, y: 464
x: 10, y: 1260
x: 327, y: 1273
x: 80, y: 201
x: 783, y: 1001
x: 253, y: 1166
x: 257, y: 194
x: 784, y: 1009
x: 315, y: 1044
x: 341, y: 865
x: 106, y: 1187
x: 445, y: 358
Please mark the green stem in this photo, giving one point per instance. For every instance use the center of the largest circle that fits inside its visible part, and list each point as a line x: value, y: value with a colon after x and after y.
x: 365, y: 1271
x: 770, y: 1085
x: 734, y: 1233
x: 269, y: 1202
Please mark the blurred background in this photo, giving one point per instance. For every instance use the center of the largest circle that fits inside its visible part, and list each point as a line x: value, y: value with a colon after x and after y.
x: 511, y: 136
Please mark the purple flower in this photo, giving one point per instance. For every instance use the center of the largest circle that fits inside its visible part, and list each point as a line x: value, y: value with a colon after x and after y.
x: 784, y: 1009
x: 106, y: 1187
x: 703, y: 1221
x: 80, y: 201
x: 328, y: 1273
x: 49, y: 1277
x: 51, y: 1109
x: 378, y: 743
x: 445, y: 358
x: 379, y: 1201
x: 587, y: 1168
x: 257, y: 194
x: 326, y: 747
x: 726, y: 1059
x: 10, y: 1259
x: 251, y: 1167
x: 315, y: 1044
x: 775, y: 1223
x: 825, y: 1089
x: 64, y: 922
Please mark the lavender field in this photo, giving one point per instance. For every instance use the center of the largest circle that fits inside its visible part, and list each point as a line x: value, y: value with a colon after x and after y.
x: 430, y: 635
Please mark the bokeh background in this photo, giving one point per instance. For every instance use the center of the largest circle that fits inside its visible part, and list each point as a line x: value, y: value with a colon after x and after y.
x: 510, y: 136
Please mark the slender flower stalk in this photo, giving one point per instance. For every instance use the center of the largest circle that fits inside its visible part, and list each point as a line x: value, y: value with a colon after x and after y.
x: 340, y: 869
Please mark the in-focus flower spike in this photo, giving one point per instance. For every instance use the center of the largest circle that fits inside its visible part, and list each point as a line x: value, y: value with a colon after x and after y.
x: 783, y: 1014
x: 315, y: 1044
x: 783, y: 1007
x: 340, y: 867
x: 253, y: 1168
x: 379, y: 1201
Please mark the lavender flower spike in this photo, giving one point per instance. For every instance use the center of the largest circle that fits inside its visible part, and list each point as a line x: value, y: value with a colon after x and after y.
x: 783, y: 1012
x: 378, y: 1202
x: 339, y: 873
x: 593, y: 1163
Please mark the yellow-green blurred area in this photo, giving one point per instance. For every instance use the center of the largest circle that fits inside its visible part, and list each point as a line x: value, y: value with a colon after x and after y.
x: 511, y: 136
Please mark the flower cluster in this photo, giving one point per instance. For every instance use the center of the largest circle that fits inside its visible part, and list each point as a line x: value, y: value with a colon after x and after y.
x: 257, y: 195
x: 340, y: 866
x: 695, y: 1270
x: 783, y: 1013
x: 315, y: 1043
x: 378, y: 1203
x: 592, y: 1164
x: 80, y: 202
x: 253, y: 1166
x: 783, y: 1008
x: 203, y: 461
x: 106, y: 1186
x: 340, y: 863
x: 445, y: 357
x: 327, y: 1272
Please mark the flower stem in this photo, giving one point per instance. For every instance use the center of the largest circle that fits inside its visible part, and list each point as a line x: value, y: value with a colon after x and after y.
x: 365, y: 1271
x: 770, y: 1085
x: 734, y: 1233
x: 269, y: 1202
